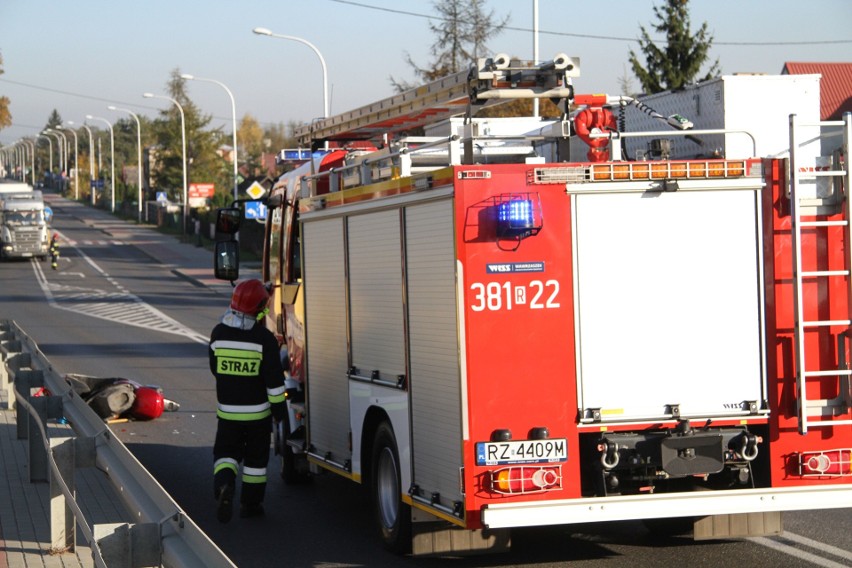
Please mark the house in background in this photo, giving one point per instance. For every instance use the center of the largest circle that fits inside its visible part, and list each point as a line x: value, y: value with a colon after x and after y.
x: 835, y: 86
x: 835, y: 94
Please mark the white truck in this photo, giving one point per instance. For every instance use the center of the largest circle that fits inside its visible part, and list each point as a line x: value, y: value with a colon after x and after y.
x: 23, y: 226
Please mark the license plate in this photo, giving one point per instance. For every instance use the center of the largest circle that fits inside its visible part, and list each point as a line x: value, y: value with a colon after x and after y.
x: 522, y: 451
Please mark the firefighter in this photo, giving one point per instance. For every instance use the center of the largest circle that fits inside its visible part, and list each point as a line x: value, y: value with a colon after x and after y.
x: 244, y: 358
x: 54, y: 251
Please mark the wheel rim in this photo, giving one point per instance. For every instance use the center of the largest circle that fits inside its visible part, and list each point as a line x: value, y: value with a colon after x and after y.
x: 387, y: 488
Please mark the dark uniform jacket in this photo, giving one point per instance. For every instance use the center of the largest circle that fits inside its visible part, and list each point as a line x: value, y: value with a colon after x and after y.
x: 248, y: 371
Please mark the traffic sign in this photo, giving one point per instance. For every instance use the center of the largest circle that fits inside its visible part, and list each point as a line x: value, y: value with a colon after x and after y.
x: 48, y: 214
x: 255, y: 210
x: 161, y: 196
x: 255, y: 190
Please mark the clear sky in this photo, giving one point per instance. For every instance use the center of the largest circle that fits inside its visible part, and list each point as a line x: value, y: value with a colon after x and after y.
x: 80, y: 56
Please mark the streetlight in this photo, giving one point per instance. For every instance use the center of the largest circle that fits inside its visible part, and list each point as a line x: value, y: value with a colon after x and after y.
x: 112, y: 156
x: 183, y: 142
x: 234, y: 121
x: 50, y: 146
x: 267, y: 32
x: 31, y: 147
x: 63, y: 153
x: 138, y: 154
x: 91, y: 159
x: 535, y: 51
x: 76, y: 163
x: 59, y: 148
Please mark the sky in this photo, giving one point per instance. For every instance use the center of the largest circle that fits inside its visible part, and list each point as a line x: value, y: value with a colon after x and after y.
x: 79, y: 57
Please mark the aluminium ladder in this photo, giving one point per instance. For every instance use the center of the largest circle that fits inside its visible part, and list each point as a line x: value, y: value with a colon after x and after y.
x: 813, y: 413
x: 489, y: 81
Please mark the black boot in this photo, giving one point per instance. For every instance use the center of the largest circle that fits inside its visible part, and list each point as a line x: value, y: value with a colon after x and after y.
x: 225, y: 504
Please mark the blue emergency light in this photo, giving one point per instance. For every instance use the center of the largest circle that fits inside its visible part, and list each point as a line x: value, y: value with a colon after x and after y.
x: 516, y: 218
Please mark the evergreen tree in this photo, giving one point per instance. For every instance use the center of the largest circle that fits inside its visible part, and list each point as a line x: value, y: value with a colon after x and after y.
x: 679, y: 62
x: 204, y: 165
x: 53, y: 120
x: 51, y: 148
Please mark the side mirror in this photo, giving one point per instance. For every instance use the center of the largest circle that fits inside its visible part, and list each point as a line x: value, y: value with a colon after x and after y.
x: 228, y: 221
x: 226, y: 260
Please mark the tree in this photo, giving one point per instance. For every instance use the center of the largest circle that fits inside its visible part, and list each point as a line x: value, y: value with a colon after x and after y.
x: 204, y: 164
x: 281, y: 135
x: 680, y: 62
x: 461, y: 34
x: 250, y: 139
x: 54, y: 120
x: 5, y: 114
x: 52, y: 149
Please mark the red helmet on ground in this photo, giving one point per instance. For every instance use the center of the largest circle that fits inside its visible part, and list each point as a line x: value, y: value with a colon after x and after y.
x: 148, y: 404
x: 250, y: 297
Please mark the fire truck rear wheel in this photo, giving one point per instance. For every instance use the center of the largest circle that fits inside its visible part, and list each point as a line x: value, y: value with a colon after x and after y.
x: 393, y: 517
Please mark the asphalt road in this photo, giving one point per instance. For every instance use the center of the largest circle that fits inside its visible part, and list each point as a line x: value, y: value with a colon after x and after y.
x: 112, y: 310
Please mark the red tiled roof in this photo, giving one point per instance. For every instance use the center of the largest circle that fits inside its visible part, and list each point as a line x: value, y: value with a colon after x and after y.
x: 835, y: 86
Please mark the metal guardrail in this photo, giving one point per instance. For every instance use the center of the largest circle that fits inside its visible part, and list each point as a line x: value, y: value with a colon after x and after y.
x: 162, y: 534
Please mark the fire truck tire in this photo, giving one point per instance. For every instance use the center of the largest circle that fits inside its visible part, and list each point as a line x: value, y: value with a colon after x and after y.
x: 393, y: 517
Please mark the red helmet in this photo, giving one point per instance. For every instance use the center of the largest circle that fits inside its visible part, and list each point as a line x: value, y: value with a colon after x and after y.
x: 250, y: 297
x: 148, y: 404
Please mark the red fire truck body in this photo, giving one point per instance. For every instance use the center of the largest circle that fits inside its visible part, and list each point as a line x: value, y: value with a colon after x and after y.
x: 507, y: 342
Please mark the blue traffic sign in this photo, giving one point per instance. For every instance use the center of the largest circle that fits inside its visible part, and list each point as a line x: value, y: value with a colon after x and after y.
x: 48, y: 213
x: 255, y: 210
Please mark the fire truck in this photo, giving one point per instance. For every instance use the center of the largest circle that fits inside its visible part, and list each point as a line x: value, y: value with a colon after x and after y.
x: 491, y: 333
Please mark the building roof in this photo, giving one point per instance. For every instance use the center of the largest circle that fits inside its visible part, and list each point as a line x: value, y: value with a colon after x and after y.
x: 835, y: 85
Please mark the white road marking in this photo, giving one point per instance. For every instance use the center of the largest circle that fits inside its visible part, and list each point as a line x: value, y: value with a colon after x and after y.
x: 120, y: 307
x: 826, y: 549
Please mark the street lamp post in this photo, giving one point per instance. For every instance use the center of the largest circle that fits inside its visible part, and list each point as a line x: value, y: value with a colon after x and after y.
x: 138, y: 154
x: 112, y: 157
x: 20, y: 158
x: 76, y: 163
x: 50, y: 147
x: 47, y: 131
x: 233, y: 126
x: 31, y: 147
x: 63, y: 144
x: 91, y: 159
x: 267, y: 32
x: 183, y: 143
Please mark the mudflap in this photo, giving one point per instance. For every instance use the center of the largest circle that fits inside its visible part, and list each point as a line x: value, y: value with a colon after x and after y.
x: 738, y: 525
x: 433, y: 537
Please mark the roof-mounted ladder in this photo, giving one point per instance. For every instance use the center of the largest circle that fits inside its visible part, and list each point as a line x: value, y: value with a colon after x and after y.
x: 491, y: 80
x: 813, y: 412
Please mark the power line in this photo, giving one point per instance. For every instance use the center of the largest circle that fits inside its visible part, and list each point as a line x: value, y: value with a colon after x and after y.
x: 70, y: 94
x: 89, y: 97
x: 589, y: 36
